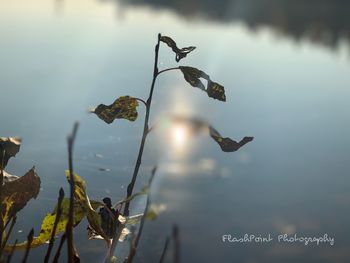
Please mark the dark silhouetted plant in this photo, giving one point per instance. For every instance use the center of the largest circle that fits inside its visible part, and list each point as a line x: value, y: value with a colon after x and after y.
x: 125, y: 107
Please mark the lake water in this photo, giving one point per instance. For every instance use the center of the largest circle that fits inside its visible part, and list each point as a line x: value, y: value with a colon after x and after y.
x: 286, y: 70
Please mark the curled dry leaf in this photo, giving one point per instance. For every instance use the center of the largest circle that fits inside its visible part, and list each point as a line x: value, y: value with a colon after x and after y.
x: 17, y: 192
x: 198, y: 126
x: 9, y: 147
x: 227, y: 144
x: 180, y: 53
x: 213, y: 89
x: 122, y: 108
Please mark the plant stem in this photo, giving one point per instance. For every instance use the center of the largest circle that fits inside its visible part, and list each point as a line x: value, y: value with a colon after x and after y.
x: 69, y: 227
x: 167, y: 69
x: 11, y: 252
x: 58, y: 252
x: 144, y: 102
x: 145, y: 130
x: 29, y: 242
x: 1, y: 218
x: 135, y: 241
x: 13, y: 222
x: 131, y: 185
x: 57, y: 218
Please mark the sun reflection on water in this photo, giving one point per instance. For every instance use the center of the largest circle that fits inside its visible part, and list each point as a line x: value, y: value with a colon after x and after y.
x: 179, y: 136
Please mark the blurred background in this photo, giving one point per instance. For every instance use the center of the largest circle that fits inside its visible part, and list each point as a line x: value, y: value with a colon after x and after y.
x: 285, y: 66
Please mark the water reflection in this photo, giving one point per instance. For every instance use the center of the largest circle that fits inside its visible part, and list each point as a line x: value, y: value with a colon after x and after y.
x: 179, y: 135
x: 325, y: 22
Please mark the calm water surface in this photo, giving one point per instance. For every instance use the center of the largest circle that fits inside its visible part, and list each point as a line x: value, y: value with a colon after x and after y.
x: 287, y: 87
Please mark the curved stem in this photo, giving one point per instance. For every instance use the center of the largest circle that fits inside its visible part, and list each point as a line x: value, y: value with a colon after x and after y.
x: 144, y: 102
x: 167, y: 69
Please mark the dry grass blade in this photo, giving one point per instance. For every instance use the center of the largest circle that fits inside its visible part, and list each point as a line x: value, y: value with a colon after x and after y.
x: 9, y: 257
x: 58, y: 216
x: 29, y: 239
x: 69, y: 228
x: 13, y: 222
x: 58, y: 253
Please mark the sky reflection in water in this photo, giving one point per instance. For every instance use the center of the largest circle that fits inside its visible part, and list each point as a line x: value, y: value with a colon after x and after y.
x: 292, y: 96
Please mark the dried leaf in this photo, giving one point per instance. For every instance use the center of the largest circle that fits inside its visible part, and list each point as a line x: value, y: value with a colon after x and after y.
x: 227, y: 144
x: 133, y: 220
x: 48, y: 224
x: 213, y: 89
x: 193, y: 75
x: 16, y: 193
x: 9, y: 147
x: 216, y: 91
x: 81, y: 196
x: 122, y: 108
x: 180, y: 53
x: 199, y: 126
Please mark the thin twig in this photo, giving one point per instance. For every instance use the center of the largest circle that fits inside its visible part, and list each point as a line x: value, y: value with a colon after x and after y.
x: 29, y: 242
x: 135, y: 241
x: 9, y: 257
x: 57, y: 218
x: 58, y: 252
x: 13, y: 222
x: 162, y: 257
x: 69, y: 227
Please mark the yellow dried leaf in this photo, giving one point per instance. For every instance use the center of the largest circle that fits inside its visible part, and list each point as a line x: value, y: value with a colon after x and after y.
x: 48, y: 224
x: 81, y: 196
